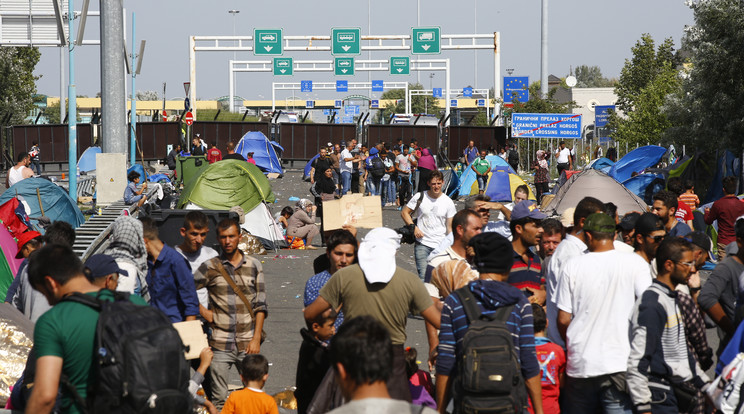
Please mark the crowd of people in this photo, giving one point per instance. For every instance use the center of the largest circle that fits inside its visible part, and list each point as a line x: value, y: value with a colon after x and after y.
x: 581, y: 313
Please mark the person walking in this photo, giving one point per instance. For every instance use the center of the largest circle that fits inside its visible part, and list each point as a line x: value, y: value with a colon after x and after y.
x: 481, y: 166
x: 542, y: 175
x: 35, y: 154
x: 470, y: 153
x: 564, y: 161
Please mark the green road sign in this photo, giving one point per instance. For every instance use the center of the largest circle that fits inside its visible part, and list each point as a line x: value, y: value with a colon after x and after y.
x: 400, y: 65
x: 267, y: 41
x: 426, y: 40
x: 346, y: 41
x: 283, y: 66
x: 343, y: 66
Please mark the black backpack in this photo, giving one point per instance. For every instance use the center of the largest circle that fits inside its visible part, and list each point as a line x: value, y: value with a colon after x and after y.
x: 513, y: 156
x: 138, y: 362
x: 378, y: 167
x: 489, y: 378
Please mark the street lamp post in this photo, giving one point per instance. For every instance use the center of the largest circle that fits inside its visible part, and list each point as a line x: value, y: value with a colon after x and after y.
x: 234, y: 13
x: 426, y: 98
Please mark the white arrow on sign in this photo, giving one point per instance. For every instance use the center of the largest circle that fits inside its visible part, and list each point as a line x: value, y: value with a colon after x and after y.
x: 342, y: 70
x: 268, y: 48
x: 346, y: 48
x: 400, y: 70
x: 425, y: 47
x: 282, y: 70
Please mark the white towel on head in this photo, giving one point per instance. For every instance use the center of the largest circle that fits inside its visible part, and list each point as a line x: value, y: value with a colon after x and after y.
x: 377, y: 254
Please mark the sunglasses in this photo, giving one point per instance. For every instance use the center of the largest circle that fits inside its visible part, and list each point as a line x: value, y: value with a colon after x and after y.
x: 688, y: 264
x: 657, y: 239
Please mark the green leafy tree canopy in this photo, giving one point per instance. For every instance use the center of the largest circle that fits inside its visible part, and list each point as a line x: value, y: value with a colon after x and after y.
x: 17, y: 81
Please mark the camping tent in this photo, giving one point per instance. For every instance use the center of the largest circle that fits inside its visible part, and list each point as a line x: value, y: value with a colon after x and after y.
x: 595, y: 184
x: 602, y: 164
x: 636, y: 161
x: 87, y: 161
x: 502, y: 184
x: 264, y: 151
x: 468, y: 176
x: 230, y: 183
x: 8, y: 263
x: 57, y: 204
x: 645, y: 185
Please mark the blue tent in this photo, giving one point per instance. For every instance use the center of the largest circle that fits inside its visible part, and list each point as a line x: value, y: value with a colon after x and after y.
x: 264, y: 151
x: 468, y: 176
x: 139, y: 169
x: 727, y: 165
x: 502, y: 184
x: 87, y: 161
x: 308, y: 168
x: 636, y: 161
x: 58, y: 205
x: 602, y: 164
x: 645, y: 185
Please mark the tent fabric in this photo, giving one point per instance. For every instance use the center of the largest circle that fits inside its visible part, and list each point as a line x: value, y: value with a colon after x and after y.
x: 502, y: 184
x: 308, y: 168
x: 259, y: 222
x: 87, y: 161
x: 264, y: 152
x: 139, y: 169
x: 727, y: 165
x: 58, y: 205
x: 602, y: 164
x: 226, y: 184
x: 8, y: 263
x: 636, y: 161
x: 645, y: 185
x: 468, y: 176
x: 595, y: 184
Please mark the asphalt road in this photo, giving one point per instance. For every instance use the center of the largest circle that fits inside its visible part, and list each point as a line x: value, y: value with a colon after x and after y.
x: 286, y: 272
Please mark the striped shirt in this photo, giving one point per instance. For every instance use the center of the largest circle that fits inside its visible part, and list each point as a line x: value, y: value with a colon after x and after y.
x: 232, y: 326
x: 527, y: 274
x: 490, y: 295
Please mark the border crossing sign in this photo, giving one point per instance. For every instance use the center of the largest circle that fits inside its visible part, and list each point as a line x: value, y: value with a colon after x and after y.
x: 378, y: 86
x: 346, y: 41
x: 566, y: 126
x: 306, y: 86
x: 341, y: 86
x: 516, y: 86
x: 602, y: 114
x: 267, y: 41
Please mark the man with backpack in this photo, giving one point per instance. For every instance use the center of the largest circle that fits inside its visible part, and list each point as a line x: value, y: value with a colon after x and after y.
x: 483, y: 320
x: 513, y: 158
x: 375, y: 167
x: 66, y: 335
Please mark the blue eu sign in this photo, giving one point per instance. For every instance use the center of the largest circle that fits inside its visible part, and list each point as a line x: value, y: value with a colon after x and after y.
x: 516, y: 87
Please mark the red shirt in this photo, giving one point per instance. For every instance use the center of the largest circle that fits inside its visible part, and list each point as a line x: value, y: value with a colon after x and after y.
x: 683, y: 213
x: 214, y: 155
x: 552, y: 360
x: 251, y: 160
x: 726, y: 210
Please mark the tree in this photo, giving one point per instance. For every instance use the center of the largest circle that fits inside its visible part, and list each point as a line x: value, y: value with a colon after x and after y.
x: 17, y: 81
x: 640, y: 70
x: 538, y: 104
x: 419, y: 103
x: 708, y: 112
x: 52, y: 112
x: 147, y: 96
x: 591, y: 77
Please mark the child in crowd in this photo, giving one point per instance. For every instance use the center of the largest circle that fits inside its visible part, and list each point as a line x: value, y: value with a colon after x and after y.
x: 314, y: 360
x: 205, y: 359
x: 419, y: 381
x: 131, y: 195
x: 284, y: 216
x: 254, y: 371
x: 689, y: 197
x: 552, y: 360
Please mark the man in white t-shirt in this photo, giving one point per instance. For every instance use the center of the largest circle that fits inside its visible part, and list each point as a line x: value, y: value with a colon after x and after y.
x: 194, y: 232
x: 563, y: 158
x: 434, y: 216
x: 596, y: 297
x: 346, y: 166
x: 403, y: 167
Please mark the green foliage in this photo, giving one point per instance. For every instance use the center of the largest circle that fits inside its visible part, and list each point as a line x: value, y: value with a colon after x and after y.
x: 419, y: 104
x: 591, y: 77
x: 52, y: 113
x: 17, y: 82
x: 208, y: 115
x: 538, y: 104
x: 479, y: 119
x: 708, y: 112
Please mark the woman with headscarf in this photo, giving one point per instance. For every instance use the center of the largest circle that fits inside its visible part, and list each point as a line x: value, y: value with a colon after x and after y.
x: 324, y: 189
x: 302, y: 223
x: 127, y: 247
x: 541, y: 175
x: 426, y: 164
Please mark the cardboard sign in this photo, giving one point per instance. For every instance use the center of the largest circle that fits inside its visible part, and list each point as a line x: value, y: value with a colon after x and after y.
x: 352, y: 209
x: 193, y: 337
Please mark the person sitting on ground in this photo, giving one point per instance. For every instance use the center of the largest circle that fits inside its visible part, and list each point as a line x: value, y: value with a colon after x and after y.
x: 131, y: 195
x: 362, y: 361
x: 314, y: 360
x: 231, y: 154
x: 419, y: 381
x: 302, y: 223
x: 285, y: 214
x: 254, y: 371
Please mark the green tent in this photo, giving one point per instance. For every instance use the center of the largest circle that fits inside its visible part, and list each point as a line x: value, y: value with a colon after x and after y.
x: 226, y: 184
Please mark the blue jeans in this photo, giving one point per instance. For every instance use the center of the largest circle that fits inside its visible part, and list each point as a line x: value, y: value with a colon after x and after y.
x: 389, y: 191
x: 36, y: 167
x: 421, y: 253
x: 482, y: 182
x: 345, y: 182
x: 592, y: 395
x: 373, y: 185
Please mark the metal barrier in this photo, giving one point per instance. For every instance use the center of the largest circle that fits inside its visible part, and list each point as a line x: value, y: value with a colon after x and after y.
x: 484, y: 138
x: 51, y: 138
x: 303, y: 141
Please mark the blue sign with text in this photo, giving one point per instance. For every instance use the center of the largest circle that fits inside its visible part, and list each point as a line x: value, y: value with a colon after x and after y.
x: 306, y: 86
x: 339, y: 103
x: 342, y: 86
x: 309, y: 104
x: 467, y: 92
x: 602, y: 114
x: 453, y: 103
x: 481, y: 102
x: 327, y: 112
x: 374, y: 103
x: 351, y: 110
x: 378, y: 86
x: 516, y: 86
x: 567, y: 126
x: 347, y: 119
x: 437, y: 92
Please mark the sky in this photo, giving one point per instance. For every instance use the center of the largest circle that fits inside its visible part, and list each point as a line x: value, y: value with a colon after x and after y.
x: 588, y: 32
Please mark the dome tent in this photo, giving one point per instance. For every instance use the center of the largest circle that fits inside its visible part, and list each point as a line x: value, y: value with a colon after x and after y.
x: 264, y: 151
x: 596, y: 184
x: 57, y: 204
x: 467, y: 178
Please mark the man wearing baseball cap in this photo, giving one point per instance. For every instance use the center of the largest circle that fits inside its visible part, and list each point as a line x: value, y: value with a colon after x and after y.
x: 526, y: 272
x: 595, y: 297
x: 102, y: 271
x: 627, y: 227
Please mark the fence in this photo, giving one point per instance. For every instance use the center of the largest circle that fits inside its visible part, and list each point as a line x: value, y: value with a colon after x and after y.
x: 52, y: 139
